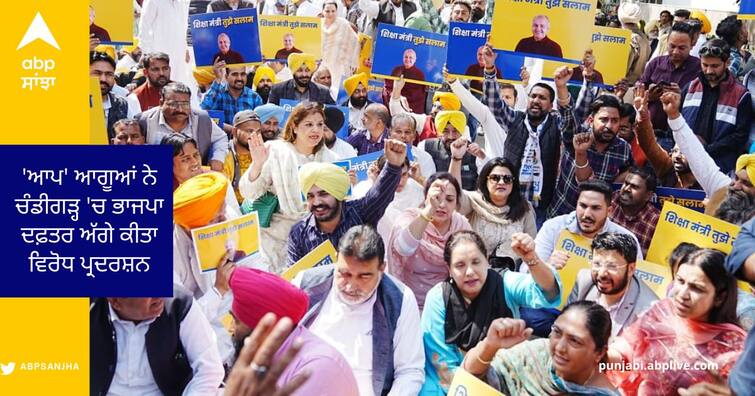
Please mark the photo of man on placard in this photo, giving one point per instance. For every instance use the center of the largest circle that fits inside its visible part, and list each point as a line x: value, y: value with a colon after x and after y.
x: 225, y: 53
x: 539, y: 43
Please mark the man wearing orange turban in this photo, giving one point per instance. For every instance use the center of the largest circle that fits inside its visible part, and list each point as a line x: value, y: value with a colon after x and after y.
x: 197, y: 202
x: 256, y: 293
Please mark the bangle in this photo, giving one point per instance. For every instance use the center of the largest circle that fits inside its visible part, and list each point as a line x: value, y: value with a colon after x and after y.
x: 425, y: 217
x: 479, y: 359
x: 581, y: 166
x: 457, y: 159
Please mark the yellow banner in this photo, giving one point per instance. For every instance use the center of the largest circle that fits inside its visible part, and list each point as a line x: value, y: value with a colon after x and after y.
x: 44, y: 75
x: 241, y: 235
x: 281, y: 35
x: 547, y: 29
x: 113, y: 21
x: 323, y: 254
x: 610, y: 46
x: 365, y: 54
x: 678, y: 224
x: 465, y: 384
x: 580, y: 255
x: 656, y: 276
x: 97, y: 130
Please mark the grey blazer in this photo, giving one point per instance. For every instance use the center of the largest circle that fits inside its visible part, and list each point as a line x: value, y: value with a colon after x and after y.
x: 638, y: 298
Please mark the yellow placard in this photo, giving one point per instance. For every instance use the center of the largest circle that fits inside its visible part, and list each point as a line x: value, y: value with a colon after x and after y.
x: 547, y: 29
x: 656, y: 276
x: 465, y: 384
x: 580, y: 254
x: 610, y: 46
x: 242, y: 235
x: 365, y: 54
x: 323, y: 254
x: 97, y: 131
x: 678, y: 224
x: 278, y: 31
x: 115, y: 18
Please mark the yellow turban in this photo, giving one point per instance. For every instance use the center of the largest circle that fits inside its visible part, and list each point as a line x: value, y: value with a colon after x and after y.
x: 747, y: 162
x: 454, y: 117
x: 204, y: 76
x: 263, y: 71
x: 197, y: 200
x: 108, y: 49
x: 351, y: 83
x: 704, y: 19
x: 295, y: 61
x: 329, y: 177
x: 448, y: 100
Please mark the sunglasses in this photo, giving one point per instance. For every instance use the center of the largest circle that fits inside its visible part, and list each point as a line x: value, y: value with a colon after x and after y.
x: 712, y: 51
x: 507, y: 179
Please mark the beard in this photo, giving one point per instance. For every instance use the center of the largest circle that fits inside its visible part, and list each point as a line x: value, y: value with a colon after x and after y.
x: 105, y: 89
x: 329, y: 139
x: 616, y: 288
x: 712, y: 78
x: 264, y: 92
x: 332, y: 214
x: 243, y: 143
x: 302, y: 81
x: 358, y: 102
x: 159, y: 82
x: 269, y: 134
x: 605, y: 135
x: 477, y: 14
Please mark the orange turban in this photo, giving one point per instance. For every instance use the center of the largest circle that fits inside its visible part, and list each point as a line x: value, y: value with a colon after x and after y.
x: 197, y: 200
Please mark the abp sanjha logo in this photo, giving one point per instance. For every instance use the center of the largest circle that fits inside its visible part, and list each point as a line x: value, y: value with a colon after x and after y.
x: 38, y: 30
x: 11, y: 367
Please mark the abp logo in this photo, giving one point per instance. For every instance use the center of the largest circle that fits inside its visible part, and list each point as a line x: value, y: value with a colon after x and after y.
x: 7, y: 369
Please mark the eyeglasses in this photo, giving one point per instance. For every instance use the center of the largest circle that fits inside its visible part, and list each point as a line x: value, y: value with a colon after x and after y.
x: 711, y: 51
x: 507, y: 179
x: 612, y: 268
x: 177, y: 105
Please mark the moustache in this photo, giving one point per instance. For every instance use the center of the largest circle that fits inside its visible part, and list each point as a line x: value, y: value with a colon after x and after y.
x: 321, y: 207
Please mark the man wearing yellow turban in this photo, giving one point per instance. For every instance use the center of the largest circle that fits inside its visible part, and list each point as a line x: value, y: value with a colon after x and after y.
x: 197, y: 202
x: 425, y: 123
x: 356, y: 88
x: 325, y: 186
x: 264, y: 78
x: 447, y: 100
x: 301, y: 87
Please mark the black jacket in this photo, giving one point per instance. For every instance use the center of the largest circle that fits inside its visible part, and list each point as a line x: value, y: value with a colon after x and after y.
x: 285, y: 90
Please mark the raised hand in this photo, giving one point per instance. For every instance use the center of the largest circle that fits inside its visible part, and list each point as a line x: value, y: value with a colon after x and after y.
x: 257, y: 150
x: 583, y: 141
x: 641, y: 98
x: 524, y: 75
x: 459, y: 148
x: 507, y: 332
x: 255, y: 373
x: 398, y: 85
x: 671, y: 102
x: 558, y: 259
x: 621, y: 89
x: 488, y: 56
x: 562, y: 75
x: 93, y: 42
x: 434, y: 196
x: 395, y: 152
x: 524, y: 246
x: 588, y: 63
x: 447, y: 77
x: 223, y: 272
x: 218, y: 68
x: 476, y: 150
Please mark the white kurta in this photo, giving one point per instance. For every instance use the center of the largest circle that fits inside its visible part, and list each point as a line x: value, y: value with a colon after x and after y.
x: 162, y: 27
x: 340, y: 50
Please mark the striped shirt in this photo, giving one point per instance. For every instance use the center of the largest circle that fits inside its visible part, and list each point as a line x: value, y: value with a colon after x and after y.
x: 306, y: 235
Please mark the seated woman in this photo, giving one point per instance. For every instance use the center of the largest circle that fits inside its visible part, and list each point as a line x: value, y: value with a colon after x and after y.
x: 497, y: 210
x: 698, y: 324
x: 565, y: 363
x: 459, y: 311
x: 275, y: 169
x: 416, y: 242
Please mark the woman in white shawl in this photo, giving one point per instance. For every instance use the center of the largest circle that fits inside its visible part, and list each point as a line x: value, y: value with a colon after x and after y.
x: 340, y: 45
x: 275, y: 169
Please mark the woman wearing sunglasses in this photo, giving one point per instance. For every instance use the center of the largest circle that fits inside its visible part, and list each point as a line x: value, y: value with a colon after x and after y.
x: 497, y: 210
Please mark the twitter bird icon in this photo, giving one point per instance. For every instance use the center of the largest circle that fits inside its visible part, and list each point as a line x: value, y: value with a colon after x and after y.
x: 7, y: 369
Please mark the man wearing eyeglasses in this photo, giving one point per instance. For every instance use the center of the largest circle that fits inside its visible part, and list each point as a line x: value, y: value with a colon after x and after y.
x: 718, y: 107
x: 612, y: 282
x: 175, y: 115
